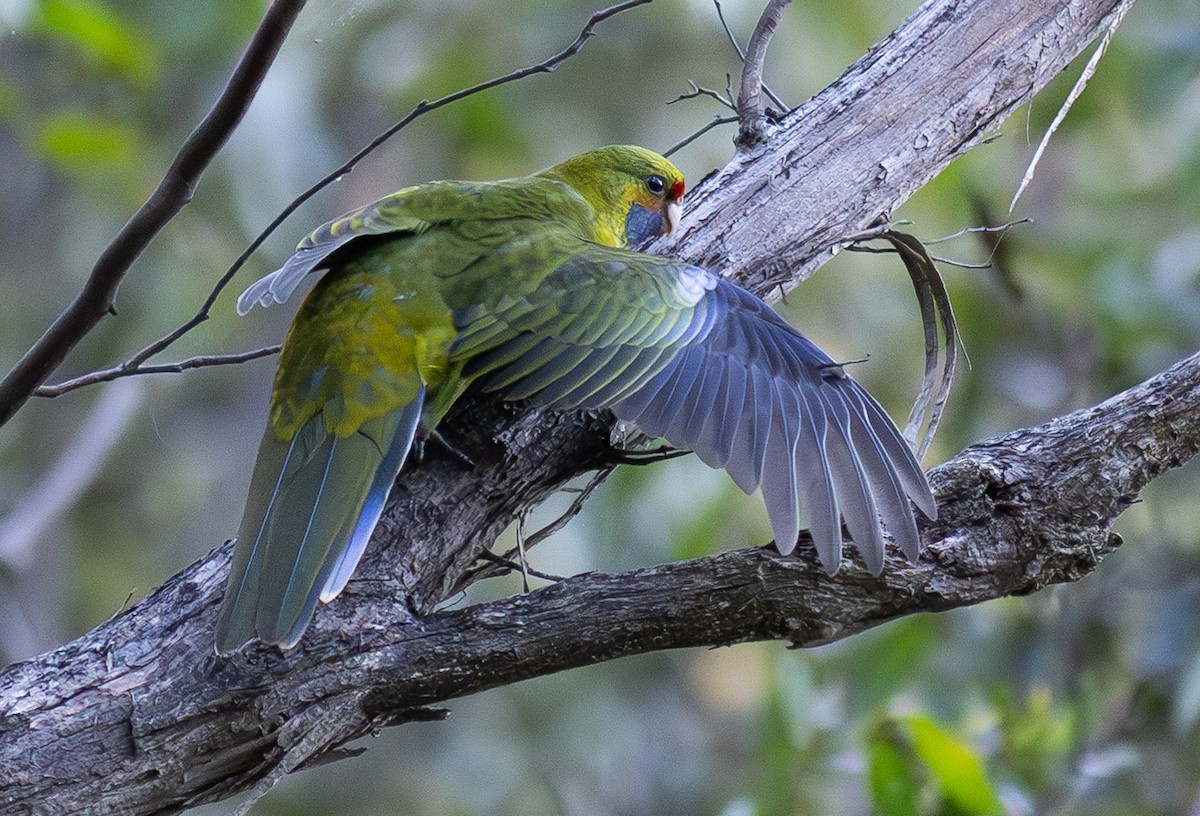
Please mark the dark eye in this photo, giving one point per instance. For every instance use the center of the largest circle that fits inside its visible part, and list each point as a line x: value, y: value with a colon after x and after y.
x: 656, y: 185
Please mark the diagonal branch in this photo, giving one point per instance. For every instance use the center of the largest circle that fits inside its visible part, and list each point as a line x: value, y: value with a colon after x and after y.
x: 172, y: 194
x: 1018, y: 513
x: 139, y: 716
x: 136, y: 364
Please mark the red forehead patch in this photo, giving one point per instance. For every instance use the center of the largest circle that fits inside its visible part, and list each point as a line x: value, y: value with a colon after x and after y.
x: 676, y: 190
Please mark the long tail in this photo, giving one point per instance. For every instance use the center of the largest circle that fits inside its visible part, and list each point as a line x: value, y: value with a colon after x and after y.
x: 312, y: 506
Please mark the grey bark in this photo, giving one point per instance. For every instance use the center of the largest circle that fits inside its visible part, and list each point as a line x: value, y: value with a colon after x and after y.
x: 139, y: 716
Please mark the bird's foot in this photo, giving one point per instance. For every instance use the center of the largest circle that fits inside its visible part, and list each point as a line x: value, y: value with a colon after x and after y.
x: 435, y: 436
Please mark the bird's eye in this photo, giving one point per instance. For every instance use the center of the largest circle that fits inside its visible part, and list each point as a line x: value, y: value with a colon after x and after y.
x: 656, y: 185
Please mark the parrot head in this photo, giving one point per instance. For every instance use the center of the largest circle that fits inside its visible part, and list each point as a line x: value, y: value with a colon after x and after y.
x: 635, y: 194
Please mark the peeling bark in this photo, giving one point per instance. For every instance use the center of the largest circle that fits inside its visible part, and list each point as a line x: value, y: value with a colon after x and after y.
x: 139, y: 716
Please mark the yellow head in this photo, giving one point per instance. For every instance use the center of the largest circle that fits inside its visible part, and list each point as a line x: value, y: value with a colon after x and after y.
x: 635, y: 193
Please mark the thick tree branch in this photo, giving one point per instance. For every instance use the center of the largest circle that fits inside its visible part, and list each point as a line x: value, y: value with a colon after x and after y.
x: 1019, y: 512
x: 95, y: 300
x: 845, y: 159
x: 139, y: 716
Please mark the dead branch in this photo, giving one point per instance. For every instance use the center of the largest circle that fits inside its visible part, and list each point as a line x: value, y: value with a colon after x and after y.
x: 753, y: 120
x: 172, y: 194
x: 138, y: 716
x: 136, y: 364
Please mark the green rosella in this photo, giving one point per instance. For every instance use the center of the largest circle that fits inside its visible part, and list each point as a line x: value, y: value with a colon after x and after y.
x: 529, y: 286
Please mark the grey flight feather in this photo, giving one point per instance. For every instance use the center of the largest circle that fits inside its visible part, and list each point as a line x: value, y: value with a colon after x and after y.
x: 716, y: 370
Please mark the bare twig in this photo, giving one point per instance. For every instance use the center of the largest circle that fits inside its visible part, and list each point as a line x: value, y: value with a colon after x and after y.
x: 752, y: 130
x: 133, y: 365
x: 663, y: 453
x: 742, y: 55
x: 497, y: 563
x: 581, y: 495
x: 130, y: 368
x: 1080, y: 84
x: 998, y: 228
x: 171, y: 195
x: 728, y: 31
x: 699, y: 91
x: 508, y: 565
x: 716, y: 121
x: 961, y: 264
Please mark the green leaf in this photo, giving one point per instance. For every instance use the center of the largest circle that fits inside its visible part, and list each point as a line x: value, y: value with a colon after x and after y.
x: 1038, y: 736
x: 894, y: 783
x: 80, y: 143
x: 10, y: 106
x: 109, y: 42
x: 957, y: 768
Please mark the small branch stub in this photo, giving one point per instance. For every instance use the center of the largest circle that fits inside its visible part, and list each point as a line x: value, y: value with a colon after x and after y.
x: 752, y: 129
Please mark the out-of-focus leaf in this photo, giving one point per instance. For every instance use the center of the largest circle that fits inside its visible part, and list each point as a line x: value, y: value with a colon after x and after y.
x: 108, y: 41
x: 82, y: 144
x: 1187, y: 699
x: 895, y: 787
x: 957, y: 768
x: 886, y: 660
x: 1038, y: 736
x: 9, y: 102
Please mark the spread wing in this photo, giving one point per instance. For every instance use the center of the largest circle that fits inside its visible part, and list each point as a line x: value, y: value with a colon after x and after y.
x: 705, y: 364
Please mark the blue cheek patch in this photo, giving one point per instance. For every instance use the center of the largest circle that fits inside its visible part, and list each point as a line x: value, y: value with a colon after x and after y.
x: 642, y: 224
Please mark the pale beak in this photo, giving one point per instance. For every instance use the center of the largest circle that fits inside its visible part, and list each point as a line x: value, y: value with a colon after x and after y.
x: 674, y: 213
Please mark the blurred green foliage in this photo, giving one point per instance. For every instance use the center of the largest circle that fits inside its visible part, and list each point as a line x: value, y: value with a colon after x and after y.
x: 107, y: 42
x: 915, y: 767
x: 1081, y: 699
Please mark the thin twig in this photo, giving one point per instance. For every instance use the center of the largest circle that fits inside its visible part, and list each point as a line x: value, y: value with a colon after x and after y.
x: 985, y: 264
x: 172, y: 194
x: 869, y: 250
x: 716, y: 121
x: 127, y: 369
x: 961, y: 264
x: 729, y: 32
x: 133, y: 365
x: 779, y: 103
x: 663, y: 453
x: 572, y: 510
x: 1118, y: 15
x: 752, y: 129
x: 699, y: 91
x: 521, y: 559
x: 1005, y: 227
x: 524, y: 542
x: 512, y: 566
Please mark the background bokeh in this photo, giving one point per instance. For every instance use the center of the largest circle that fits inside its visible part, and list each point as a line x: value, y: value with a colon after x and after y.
x: 1082, y: 699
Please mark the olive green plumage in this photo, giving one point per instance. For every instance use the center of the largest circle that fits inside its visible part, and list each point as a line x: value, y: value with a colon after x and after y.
x: 529, y: 286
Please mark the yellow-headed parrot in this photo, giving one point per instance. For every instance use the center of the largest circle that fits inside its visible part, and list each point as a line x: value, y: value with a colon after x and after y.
x: 529, y: 286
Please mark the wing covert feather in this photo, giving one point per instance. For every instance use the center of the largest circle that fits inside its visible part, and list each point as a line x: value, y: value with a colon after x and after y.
x: 708, y: 366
